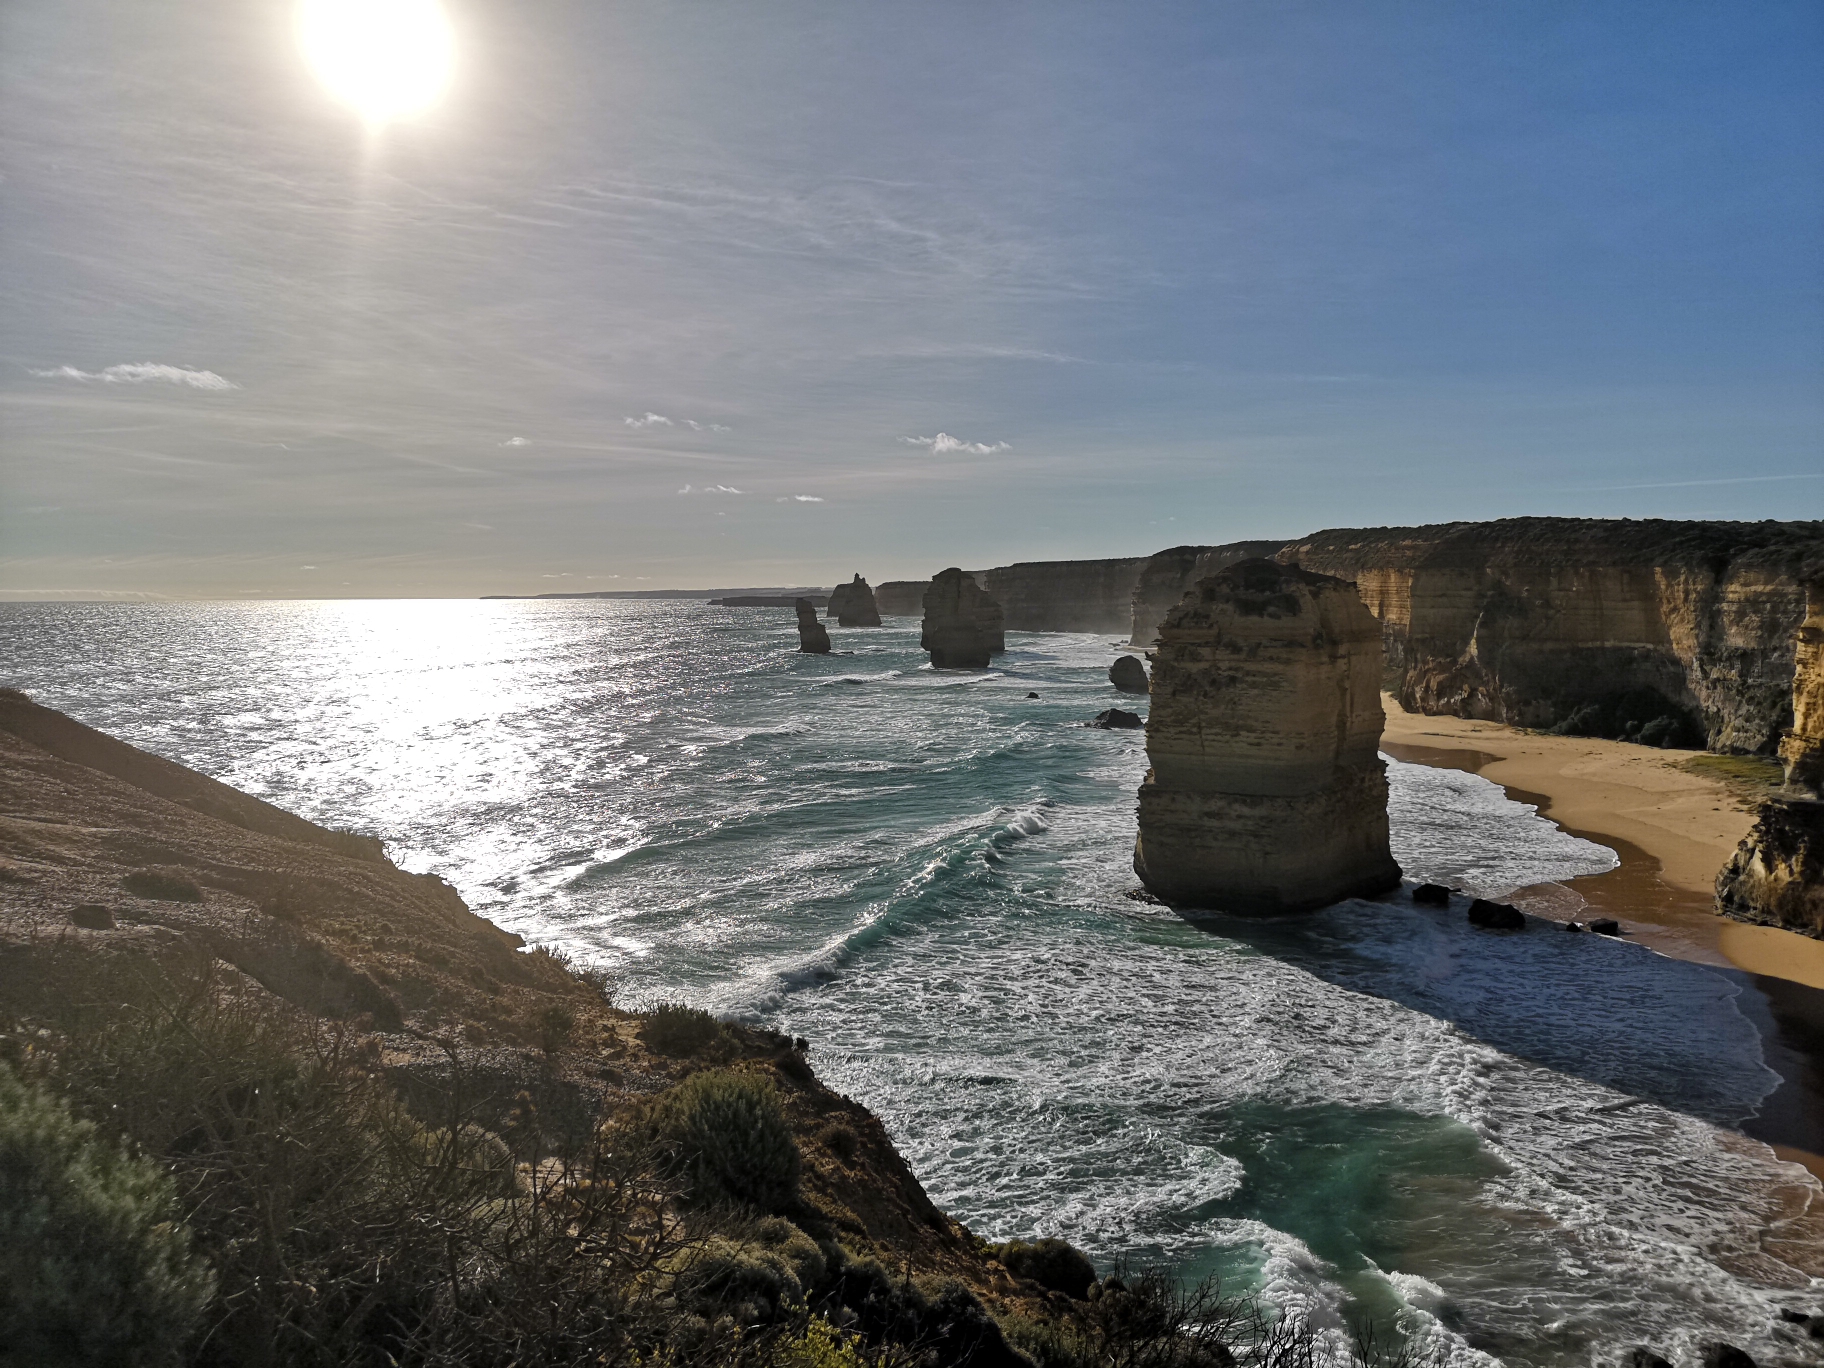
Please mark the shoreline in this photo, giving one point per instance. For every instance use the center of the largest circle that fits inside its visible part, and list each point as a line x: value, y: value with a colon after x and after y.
x: 1672, y: 830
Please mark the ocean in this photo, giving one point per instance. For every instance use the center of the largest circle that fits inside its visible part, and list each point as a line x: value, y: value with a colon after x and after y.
x: 1516, y: 1149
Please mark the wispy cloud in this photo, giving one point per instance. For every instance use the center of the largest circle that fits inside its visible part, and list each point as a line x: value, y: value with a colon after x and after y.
x: 138, y: 372
x: 799, y: 498
x: 710, y: 489
x: 650, y: 420
x: 945, y: 445
x: 517, y: 442
x: 1688, y: 484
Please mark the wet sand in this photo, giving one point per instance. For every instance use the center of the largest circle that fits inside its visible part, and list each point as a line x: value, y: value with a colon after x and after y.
x: 1672, y: 830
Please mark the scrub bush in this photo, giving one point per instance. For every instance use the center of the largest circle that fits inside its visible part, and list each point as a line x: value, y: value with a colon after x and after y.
x: 150, y: 883
x: 725, y: 1134
x: 674, y: 1029
x: 95, y: 1266
x: 1052, y: 1263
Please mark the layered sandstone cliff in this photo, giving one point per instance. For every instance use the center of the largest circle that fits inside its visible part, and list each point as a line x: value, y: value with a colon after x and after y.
x: 963, y: 626
x: 852, y: 604
x: 1266, y: 793
x: 1064, y: 596
x: 1776, y: 876
x: 1165, y: 577
x: 813, y: 636
x: 1675, y: 633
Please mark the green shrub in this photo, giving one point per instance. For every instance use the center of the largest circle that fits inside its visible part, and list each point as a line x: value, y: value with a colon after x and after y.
x: 759, y: 1278
x: 95, y: 1267
x: 839, y: 1139
x: 1051, y: 1263
x: 150, y: 883
x: 556, y: 1025
x: 674, y: 1029
x: 726, y: 1134
x: 819, y: 1346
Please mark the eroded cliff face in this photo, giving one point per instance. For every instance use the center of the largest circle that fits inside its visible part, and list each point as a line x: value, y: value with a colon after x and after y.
x: 1064, y: 596
x: 1266, y: 793
x: 962, y: 625
x: 1776, y: 876
x: 1164, y: 578
x: 1674, y: 633
x: 852, y: 604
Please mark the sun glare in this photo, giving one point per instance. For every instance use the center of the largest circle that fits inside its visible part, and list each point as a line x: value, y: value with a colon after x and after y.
x: 387, y: 59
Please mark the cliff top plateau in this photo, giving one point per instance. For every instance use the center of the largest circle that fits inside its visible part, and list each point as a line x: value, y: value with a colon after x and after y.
x: 1579, y: 541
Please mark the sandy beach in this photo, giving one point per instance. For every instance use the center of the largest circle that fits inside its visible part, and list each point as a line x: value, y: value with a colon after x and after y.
x: 1673, y: 829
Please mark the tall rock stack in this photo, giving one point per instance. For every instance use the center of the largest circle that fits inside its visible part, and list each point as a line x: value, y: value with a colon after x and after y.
x: 963, y: 627
x: 852, y: 605
x: 813, y: 637
x: 1267, y: 792
x: 1776, y: 876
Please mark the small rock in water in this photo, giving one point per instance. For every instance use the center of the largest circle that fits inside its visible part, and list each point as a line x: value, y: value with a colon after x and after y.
x: 1792, y: 1317
x: 1113, y: 719
x: 1494, y: 916
x: 1642, y: 1357
x: 1575, y: 926
x: 1032, y: 695
x: 1431, y: 895
x: 1128, y: 675
x: 92, y: 917
x: 1606, y: 926
x: 1726, y: 1356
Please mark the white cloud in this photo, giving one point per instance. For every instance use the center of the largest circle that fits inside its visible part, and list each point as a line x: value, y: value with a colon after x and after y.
x: 710, y: 489
x: 138, y: 372
x: 517, y: 441
x: 660, y: 420
x: 945, y: 445
x: 803, y: 498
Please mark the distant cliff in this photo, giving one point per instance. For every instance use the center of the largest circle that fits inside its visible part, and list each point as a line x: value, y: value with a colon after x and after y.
x: 1666, y: 632
x: 901, y: 598
x: 1165, y: 577
x: 1064, y: 596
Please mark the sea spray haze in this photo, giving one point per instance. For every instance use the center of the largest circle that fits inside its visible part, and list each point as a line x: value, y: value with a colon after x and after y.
x: 1516, y: 1147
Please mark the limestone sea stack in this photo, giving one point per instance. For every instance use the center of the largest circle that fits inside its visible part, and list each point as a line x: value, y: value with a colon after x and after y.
x: 1776, y: 876
x: 963, y: 627
x: 852, y: 604
x: 813, y: 637
x: 1267, y: 793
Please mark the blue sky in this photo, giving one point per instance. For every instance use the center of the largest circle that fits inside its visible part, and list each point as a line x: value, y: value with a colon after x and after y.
x: 1156, y: 273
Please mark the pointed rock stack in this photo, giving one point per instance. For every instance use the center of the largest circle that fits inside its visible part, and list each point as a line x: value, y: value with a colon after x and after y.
x: 1267, y: 793
x: 852, y: 605
x: 963, y: 626
x: 813, y: 637
x: 1776, y: 876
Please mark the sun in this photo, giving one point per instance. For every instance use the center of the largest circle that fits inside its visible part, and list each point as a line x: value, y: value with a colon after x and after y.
x: 387, y: 59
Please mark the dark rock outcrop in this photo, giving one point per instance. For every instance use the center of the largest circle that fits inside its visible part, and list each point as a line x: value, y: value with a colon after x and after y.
x: 1494, y: 916
x: 852, y: 605
x: 1114, y: 719
x: 1431, y: 895
x: 1605, y: 926
x: 962, y: 625
x: 1165, y: 577
x: 813, y: 636
x: 1673, y: 633
x: 1064, y: 596
x: 1776, y: 876
x: 1128, y: 675
x: 1267, y: 793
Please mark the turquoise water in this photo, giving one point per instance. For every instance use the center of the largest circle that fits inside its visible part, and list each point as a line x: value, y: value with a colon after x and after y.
x: 1515, y: 1148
